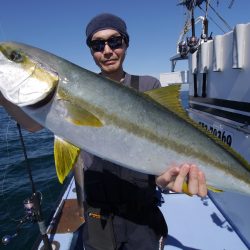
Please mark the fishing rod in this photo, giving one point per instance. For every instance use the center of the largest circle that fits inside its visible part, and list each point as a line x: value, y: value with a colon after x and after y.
x: 32, y: 206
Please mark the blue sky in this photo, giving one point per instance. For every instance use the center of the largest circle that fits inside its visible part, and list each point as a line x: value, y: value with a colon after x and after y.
x: 154, y: 27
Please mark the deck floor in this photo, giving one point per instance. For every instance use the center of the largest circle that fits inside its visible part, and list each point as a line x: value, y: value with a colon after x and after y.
x: 193, y: 224
x: 198, y: 224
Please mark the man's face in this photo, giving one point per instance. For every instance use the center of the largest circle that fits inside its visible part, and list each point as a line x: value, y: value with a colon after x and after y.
x: 109, y: 60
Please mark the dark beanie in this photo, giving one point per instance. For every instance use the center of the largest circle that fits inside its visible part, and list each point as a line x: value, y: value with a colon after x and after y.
x: 106, y: 21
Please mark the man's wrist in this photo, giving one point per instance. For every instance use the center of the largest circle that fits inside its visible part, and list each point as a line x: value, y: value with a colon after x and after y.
x: 159, y: 183
x: 1, y: 99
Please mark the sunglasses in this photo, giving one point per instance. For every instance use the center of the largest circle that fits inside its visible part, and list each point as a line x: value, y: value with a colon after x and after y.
x: 114, y: 42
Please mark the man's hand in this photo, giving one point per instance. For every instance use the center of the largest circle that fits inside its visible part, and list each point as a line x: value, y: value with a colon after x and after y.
x: 24, y: 120
x: 175, y: 177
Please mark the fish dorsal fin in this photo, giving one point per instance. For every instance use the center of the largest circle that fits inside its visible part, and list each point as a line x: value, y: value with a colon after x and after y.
x: 169, y: 98
x: 65, y: 155
x: 80, y: 116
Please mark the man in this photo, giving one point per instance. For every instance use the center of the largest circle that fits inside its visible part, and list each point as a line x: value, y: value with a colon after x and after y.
x: 121, y: 208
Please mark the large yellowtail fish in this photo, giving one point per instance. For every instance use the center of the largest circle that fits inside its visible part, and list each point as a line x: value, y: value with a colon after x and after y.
x: 146, y: 132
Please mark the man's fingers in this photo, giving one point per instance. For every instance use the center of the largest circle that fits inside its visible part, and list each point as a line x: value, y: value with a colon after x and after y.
x: 175, y: 178
x: 202, y: 184
x: 166, y: 180
x: 184, y: 170
x: 193, y: 181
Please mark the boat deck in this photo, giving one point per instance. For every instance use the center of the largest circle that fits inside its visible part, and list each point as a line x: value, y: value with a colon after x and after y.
x: 193, y: 223
x: 196, y: 223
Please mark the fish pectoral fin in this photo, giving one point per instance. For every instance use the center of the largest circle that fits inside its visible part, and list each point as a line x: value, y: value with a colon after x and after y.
x: 80, y: 116
x: 65, y: 155
x: 214, y: 189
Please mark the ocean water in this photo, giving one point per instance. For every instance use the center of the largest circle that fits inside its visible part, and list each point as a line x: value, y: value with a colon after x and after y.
x: 15, y: 185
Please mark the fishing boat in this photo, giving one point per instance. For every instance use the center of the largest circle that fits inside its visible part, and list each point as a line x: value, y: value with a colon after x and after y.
x: 217, y: 86
x: 217, y: 89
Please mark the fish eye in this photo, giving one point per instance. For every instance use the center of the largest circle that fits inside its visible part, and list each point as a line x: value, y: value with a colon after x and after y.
x: 15, y: 56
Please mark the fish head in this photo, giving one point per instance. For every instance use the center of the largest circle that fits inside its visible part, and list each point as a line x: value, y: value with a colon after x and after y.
x: 23, y: 79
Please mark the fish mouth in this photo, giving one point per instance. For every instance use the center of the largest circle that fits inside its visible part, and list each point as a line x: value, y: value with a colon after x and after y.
x: 23, y: 80
x: 38, y: 88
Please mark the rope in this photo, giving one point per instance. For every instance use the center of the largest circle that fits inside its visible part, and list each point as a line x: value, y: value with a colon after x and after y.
x: 26, y: 159
x: 221, y: 18
x: 211, y: 19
